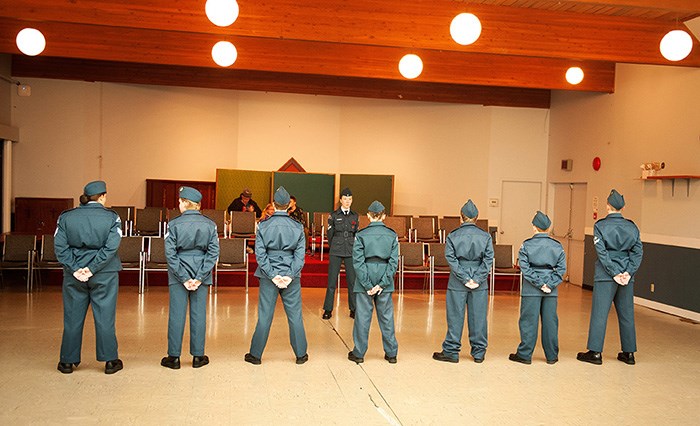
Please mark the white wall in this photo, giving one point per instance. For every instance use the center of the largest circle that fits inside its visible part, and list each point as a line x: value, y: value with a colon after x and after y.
x: 654, y: 115
x: 440, y: 154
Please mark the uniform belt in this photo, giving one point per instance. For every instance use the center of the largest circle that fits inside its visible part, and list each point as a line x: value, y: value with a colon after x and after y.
x: 192, y: 251
x: 469, y: 262
x: 375, y: 259
x: 542, y: 268
x: 279, y: 251
x: 348, y: 234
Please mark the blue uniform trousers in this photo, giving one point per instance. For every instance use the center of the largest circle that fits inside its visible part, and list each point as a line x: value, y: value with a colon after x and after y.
x: 267, y: 299
x: 363, y: 318
x: 532, y: 308
x: 101, y: 292
x: 177, y: 314
x: 604, y: 294
x: 477, y: 304
x: 333, y: 272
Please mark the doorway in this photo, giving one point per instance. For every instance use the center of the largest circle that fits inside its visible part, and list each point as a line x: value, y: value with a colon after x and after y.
x: 568, y: 226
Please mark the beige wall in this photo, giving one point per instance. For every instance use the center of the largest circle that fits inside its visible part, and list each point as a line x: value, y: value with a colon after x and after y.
x: 654, y: 115
x: 441, y: 154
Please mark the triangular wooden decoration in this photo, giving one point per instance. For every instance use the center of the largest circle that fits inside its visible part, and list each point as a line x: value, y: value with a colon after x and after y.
x: 292, y: 166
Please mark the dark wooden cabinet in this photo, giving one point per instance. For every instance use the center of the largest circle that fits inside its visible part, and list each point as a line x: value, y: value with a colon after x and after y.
x: 164, y: 193
x: 39, y: 215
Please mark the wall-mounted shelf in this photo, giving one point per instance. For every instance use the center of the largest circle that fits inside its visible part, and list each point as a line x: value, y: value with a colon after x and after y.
x: 673, y: 178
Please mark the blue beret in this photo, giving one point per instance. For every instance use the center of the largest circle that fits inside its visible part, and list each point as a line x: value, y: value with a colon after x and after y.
x: 346, y: 192
x: 191, y: 194
x: 281, y: 196
x: 541, y: 220
x: 94, y: 188
x: 376, y: 207
x: 616, y: 200
x: 469, y: 210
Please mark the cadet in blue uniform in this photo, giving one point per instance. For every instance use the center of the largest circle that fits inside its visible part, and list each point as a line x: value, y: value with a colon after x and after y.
x: 542, y: 262
x: 375, y: 256
x: 86, y: 243
x: 191, y: 249
x: 279, y: 250
x: 342, y: 226
x: 619, y: 248
x: 469, y: 252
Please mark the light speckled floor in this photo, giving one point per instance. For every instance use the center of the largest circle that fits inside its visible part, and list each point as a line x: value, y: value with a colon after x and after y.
x: 663, y: 388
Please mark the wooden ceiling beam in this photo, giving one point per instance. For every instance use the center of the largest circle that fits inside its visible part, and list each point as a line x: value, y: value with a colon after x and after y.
x: 408, y: 24
x: 309, y: 57
x: 234, y: 79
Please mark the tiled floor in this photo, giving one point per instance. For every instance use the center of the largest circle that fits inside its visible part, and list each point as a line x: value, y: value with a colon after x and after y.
x: 663, y: 388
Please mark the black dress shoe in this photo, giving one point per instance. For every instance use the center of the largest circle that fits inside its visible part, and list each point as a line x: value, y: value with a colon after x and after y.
x: 327, y: 314
x: 478, y: 360
x: 200, y: 361
x: 517, y: 358
x: 440, y: 356
x: 171, y: 362
x: 353, y: 357
x: 66, y: 368
x: 552, y: 361
x: 113, y: 366
x: 391, y: 359
x: 302, y: 359
x: 626, y: 357
x: 352, y: 314
x: 251, y: 359
x: 590, y: 356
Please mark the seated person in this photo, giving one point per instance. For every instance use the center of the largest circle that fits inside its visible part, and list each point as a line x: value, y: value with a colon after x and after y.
x: 269, y: 211
x: 245, y: 203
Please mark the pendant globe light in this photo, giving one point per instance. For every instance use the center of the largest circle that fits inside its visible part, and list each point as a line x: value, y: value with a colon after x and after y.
x: 410, y: 66
x: 30, y: 41
x: 224, y: 53
x: 676, y: 45
x: 574, y: 75
x: 465, y: 29
x: 222, y: 13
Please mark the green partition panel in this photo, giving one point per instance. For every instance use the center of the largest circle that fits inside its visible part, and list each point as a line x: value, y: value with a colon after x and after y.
x: 314, y: 191
x: 230, y: 183
x: 367, y: 188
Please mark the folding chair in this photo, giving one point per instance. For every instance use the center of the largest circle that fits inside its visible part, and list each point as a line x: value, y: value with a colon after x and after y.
x: 46, y: 258
x: 154, y: 259
x: 412, y: 260
x: 232, y: 257
x: 131, y: 253
x: 423, y: 229
x: 504, y: 265
x: 18, y: 253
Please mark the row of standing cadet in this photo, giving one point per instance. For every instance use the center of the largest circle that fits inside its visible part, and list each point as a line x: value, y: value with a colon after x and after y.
x: 87, y: 239
x: 469, y: 253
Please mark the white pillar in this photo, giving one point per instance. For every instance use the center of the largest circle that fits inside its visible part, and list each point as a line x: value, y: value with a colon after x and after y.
x: 6, y: 185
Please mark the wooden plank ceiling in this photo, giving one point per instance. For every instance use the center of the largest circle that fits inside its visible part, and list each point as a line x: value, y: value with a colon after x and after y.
x: 350, y: 48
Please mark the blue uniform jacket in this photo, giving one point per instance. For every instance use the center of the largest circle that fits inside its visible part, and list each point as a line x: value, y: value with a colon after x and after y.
x: 341, y: 232
x: 88, y: 236
x: 618, y: 245
x: 542, y: 261
x: 469, y: 252
x: 375, y: 257
x: 279, y: 247
x: 191, y: 248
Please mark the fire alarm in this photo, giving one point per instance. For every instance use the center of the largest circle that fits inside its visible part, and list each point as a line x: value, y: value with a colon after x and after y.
x: 596, y: 164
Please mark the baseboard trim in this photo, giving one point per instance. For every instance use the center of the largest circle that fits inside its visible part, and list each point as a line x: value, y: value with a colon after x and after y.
x: 668, y: 309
